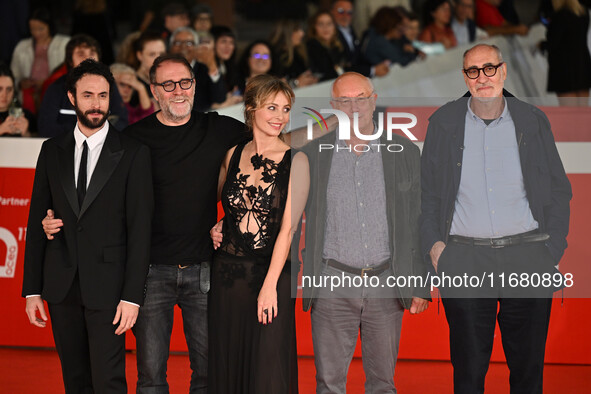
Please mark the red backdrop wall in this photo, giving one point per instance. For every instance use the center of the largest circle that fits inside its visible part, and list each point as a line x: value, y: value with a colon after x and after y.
x: 424, y: 336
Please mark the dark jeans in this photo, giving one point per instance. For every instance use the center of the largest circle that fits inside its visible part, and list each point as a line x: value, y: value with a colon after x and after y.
x: 167, y: 286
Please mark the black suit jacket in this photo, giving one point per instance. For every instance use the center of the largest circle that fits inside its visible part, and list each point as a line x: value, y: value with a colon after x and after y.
x: 107, y: 239
x: 403, y: 191
x: 207, y: 92
x: 355, y: 61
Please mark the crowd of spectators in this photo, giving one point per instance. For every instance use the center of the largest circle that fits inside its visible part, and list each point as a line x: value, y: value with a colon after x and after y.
x: 303, y: 52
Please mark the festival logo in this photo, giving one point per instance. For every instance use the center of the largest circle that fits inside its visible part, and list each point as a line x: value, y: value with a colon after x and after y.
x: 7, y: 270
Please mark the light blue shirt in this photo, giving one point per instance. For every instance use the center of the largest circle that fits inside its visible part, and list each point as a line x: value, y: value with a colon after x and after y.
x: 491, y: 200
x: 460, y: 31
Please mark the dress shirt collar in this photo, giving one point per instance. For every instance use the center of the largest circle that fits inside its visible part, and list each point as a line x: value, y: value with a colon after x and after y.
x: 504, y: 115
x: 94, y: 140
x: 348, y: 34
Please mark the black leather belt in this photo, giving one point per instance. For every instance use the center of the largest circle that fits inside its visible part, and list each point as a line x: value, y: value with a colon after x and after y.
x: 530, y: 236
x: 369, y: 271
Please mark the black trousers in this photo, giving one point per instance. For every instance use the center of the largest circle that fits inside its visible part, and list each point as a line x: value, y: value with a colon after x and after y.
x: 91, y: 355
x: 523, y: 315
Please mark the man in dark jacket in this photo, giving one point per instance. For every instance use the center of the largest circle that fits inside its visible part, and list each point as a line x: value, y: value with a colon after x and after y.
x: 342, y: 12
x: 361, y: 226
x: 495, y: 207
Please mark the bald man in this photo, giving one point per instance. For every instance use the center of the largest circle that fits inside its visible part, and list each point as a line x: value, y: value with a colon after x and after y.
x: 356, y: 233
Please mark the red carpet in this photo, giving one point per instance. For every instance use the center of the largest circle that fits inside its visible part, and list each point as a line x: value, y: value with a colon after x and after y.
x: 26, y: 371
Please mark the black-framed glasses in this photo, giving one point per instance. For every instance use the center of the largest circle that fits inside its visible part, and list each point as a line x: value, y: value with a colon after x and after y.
x: 489, y: 71
x: 170, y: 86
x: 342, y: 11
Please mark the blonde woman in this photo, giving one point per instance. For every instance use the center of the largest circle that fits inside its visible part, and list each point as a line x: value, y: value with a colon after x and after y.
x: 263, y: 186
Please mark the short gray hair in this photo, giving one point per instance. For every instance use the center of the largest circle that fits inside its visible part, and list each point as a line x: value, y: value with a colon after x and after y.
x: 180, y: 30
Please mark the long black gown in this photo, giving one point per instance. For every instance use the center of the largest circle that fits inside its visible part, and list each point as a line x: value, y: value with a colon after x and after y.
x: 246, y: 356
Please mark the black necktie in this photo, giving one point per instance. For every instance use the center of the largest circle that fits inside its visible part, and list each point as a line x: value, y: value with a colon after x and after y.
x: 81, y: 187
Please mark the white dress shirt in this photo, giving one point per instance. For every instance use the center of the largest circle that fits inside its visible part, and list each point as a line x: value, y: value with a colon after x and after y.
x: 95, y: 145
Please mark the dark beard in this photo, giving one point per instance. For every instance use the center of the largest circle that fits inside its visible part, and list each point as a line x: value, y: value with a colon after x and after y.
x: 87, y: 122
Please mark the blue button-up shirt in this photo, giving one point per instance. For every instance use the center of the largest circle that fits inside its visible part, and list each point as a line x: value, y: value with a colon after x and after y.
x: 491, y: 200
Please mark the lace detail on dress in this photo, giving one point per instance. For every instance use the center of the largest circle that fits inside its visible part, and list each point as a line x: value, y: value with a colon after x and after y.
x: 254, y: 210
x: 252, y: 205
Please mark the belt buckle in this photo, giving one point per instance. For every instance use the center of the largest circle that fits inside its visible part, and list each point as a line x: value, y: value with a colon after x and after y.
x: 364, y: 271
x: 495, y: 246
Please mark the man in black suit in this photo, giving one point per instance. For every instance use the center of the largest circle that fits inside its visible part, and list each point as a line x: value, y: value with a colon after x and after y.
x: 92, y: 273
x: 342, y: 12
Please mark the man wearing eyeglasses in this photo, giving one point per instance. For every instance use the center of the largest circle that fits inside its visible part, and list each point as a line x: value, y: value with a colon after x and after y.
x: 187, y: 149
x: 495, y: 204
x: 361, y: 226
x: 342, y: 12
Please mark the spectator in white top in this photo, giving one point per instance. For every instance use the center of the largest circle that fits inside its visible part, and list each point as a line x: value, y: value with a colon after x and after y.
x: 35, y: 58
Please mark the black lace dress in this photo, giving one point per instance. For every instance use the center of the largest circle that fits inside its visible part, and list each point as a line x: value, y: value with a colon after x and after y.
x: 246, y: 356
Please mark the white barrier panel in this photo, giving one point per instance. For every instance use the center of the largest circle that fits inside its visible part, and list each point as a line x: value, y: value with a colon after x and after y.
x: 23, y: 152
